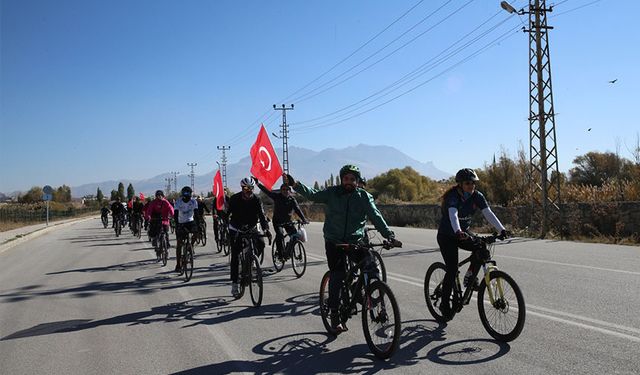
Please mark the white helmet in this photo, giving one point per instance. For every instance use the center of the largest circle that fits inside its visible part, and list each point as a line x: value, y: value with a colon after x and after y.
x: 247, y: 182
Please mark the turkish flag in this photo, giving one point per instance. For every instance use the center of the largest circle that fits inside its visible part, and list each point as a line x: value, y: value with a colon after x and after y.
x: 141, y: 196
x: 264, y: 161
x: 218, y: 190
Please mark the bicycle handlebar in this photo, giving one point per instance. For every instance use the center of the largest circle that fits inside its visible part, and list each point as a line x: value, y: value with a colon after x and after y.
x: 384, y: 244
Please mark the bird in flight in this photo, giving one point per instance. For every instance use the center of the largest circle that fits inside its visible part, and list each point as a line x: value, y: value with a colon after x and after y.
x: 614, y: 81
x: 589, y: 129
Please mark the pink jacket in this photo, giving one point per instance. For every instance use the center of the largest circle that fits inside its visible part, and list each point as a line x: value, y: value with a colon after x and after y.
x: 159, y: 206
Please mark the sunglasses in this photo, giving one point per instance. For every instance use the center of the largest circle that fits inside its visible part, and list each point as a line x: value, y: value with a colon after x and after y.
x: 247, y: 188
x: 468, y: 183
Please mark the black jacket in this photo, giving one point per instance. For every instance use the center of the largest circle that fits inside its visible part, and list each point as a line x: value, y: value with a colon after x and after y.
x: 283, y: 207
x: 246, y: 212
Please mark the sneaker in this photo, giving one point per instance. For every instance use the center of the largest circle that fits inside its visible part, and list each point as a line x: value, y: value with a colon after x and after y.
x: 235, y: 290
x: 336, y: 324
x: 446, y: 311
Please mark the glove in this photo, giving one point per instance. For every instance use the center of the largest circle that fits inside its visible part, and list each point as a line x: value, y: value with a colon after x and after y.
x: 394, y: 242
x: 462, y: 236
x: 290, y: 181
x: 255, y: 180
x: 504, y: 234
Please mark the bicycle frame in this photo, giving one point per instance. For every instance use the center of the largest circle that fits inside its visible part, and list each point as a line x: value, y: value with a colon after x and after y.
x: 487, y: 266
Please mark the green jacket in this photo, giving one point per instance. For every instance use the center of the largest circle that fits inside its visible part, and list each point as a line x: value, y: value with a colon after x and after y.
x: 345, y: 213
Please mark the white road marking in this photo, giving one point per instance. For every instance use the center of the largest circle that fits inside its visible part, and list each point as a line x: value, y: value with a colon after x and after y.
x: 568, y: 264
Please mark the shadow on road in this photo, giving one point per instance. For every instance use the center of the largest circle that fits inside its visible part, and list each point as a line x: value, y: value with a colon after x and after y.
x: 468, y: 352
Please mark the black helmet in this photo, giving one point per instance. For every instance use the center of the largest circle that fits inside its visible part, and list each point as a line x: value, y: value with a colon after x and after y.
x: 186, y: 192
x: 354, y: 170
x: 466, y: 174
x: 160, y: 193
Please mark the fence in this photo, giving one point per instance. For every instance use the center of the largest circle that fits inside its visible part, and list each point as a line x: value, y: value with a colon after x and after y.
x: 37, y: 215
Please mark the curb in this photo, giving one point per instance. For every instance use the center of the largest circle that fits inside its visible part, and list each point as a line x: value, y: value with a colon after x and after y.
x: 24, y: 237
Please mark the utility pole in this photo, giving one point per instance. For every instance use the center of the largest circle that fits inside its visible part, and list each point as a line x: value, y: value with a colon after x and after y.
x: 192, y: 174
x: 543, y: 148
x: 175, y: 180
x: 284, y: 134
x: 168, y: 181
x: 224, y: 150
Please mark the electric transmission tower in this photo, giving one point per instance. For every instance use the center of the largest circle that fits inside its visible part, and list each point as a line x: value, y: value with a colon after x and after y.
x: 168, y: 181
x: 224, y: 150
x: 192, y: 175
x: 543, y: 147
x: 284, y: 135
x: 175, y: 180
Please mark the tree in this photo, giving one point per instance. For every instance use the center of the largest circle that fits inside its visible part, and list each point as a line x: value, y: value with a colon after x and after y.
x: 596, y: 168
x: 33, y: 195
x: 99, y: 195
x: 331, y: 179
x: 338, y: 182
x: 406, y: 185
x: 505, y: 181
x: 114, y: 195
x: 131, y: 192
x: 316, y: 185
x: 62, y: 194
x: 121, y: 191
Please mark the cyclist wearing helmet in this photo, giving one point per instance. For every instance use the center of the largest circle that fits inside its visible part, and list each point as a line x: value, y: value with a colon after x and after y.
x: 244, y: 210
x: 283, y: 207
x: 157, y: 214
x: 459, y: 203
x: 185, y: 222
x: 346, y: 213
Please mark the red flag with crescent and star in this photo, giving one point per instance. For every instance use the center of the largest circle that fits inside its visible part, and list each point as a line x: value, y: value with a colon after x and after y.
x: 264, y: 161
x: 141, y: 196
x: 218, y: 190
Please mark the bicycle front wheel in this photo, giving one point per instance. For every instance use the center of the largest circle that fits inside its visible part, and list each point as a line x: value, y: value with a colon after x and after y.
x: 504, y: 318
x: 187, y: 261
x: 203, y: 238
x: 433, y: 280
x: 298, y: 258
x: 324, y: 303
x: 382, y: 270
x: 164, y: 252
x: 255, y: 282
x: 381, y: 320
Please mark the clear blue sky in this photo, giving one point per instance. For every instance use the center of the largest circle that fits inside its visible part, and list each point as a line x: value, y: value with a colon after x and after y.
x: 99, y: 90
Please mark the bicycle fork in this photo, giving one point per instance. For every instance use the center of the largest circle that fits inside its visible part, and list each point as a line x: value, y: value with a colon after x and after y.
x: 487, y: 277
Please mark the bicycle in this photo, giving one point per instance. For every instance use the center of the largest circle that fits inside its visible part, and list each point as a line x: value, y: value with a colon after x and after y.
x: 105, y: 220
x: 223, y: 243
x: 186, y: 258
x: 201, y: 235
x: 497, y: 290
x: 172, y: 224
x: 369, y: 234
x: 293, y: 249
x: 250, y: 273
x: 362, y: 286
x: 161, y: 242
x: 118, y: 225
x: 136, y: 225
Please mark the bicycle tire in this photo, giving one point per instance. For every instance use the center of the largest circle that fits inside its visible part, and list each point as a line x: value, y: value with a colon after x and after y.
x: 187, y: 260
x: 278, y: 263
x: 382, y: 270
x: 433, y: 290
x: 226, y: 243
x: 255, y: 282
x: 164, y: 251
x: 501, y: 306
x: 204, y: 237
x: 105, y: 221
x: 118, y: 229
x: 242, y: 282
x: 298, y: 258
x: 375, y: 309
x: 324, y: 303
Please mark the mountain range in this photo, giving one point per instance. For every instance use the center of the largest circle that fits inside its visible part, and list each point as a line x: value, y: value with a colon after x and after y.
x: 305, y: 165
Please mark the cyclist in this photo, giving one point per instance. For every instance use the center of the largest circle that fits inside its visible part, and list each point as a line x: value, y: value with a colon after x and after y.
x: 283, y: 207
x: 348, y: 208
x: 117, y: 211
x: 158, y: 213
x: 185, y: 222
x: 218, y: 214
x: 144, y: 212
x: 136, y: 210
x: 459, y: 203
x: 201, y: 224
x: 104, y: 212
x: 245, y: 210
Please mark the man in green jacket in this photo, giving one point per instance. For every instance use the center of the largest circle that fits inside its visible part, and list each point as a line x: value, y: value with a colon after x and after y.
x: 346, y: 212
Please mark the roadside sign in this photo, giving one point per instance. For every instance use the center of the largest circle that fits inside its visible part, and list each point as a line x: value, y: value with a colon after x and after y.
x: 47, y: 197
x: 47, y: 190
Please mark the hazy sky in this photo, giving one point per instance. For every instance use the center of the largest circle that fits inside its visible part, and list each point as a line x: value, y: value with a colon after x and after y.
x: 100, y: 90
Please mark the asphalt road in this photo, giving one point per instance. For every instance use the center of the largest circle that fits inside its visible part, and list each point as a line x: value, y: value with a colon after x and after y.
x: 78, y: 300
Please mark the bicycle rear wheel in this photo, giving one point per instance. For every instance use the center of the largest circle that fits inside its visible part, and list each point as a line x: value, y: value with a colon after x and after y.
x: 255, y: 282
x: 278, y: 261
x: 203, y: 238
x: 381, y: 320
x: 433, y: 290
x: 187, y: 260
x: 504, y: 319
x: 226, y: 243
x: 298, y: 258
x: 382, y: 270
